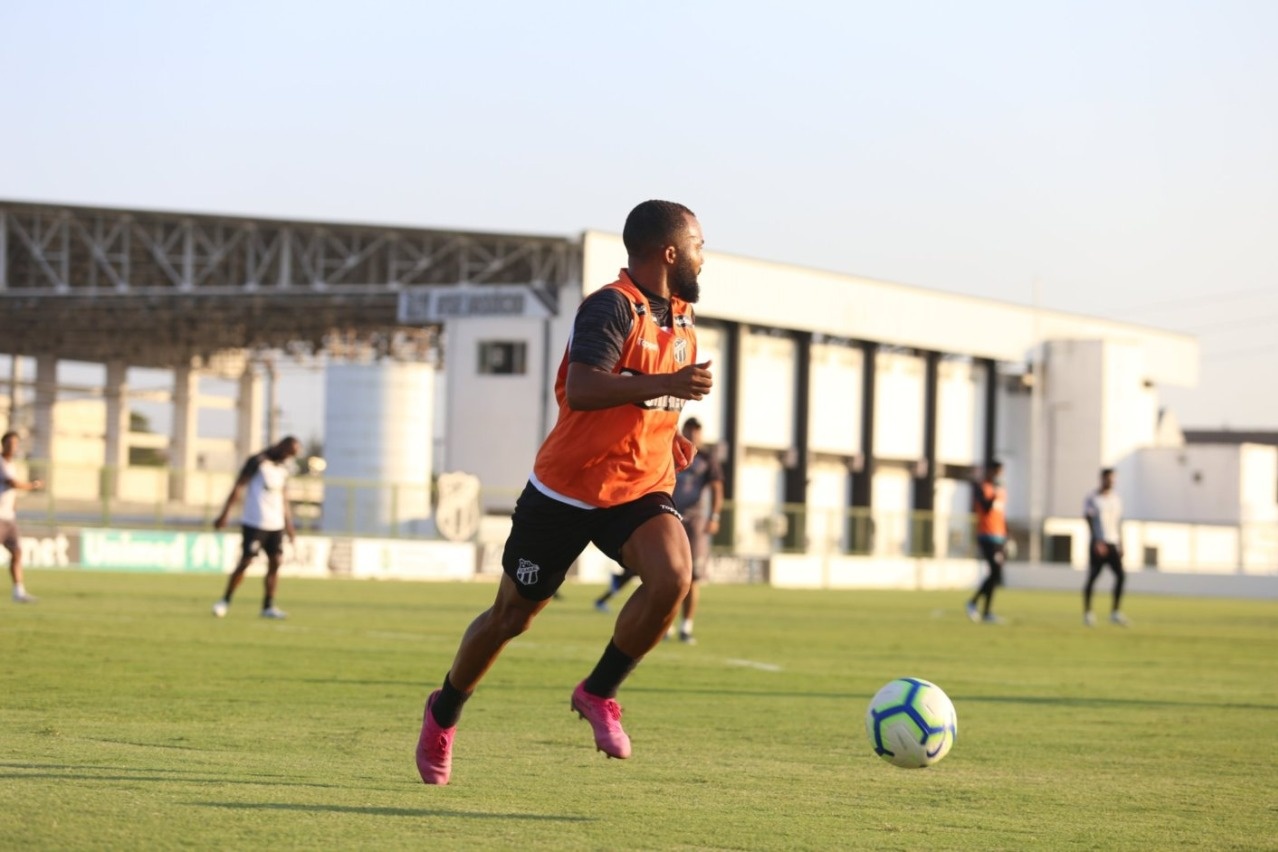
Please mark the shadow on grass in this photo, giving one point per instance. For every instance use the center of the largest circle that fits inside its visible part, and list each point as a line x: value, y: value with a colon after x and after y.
x: 1063, y: 701
x: 1042, y: 700
x: 376, y: 811
x: 70, y: 772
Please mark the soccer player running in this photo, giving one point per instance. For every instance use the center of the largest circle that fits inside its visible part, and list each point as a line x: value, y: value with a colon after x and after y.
x: 604, y: 475
x: 691, y: 485
x: 266, y: 519
x: 990, y: 505
x: 1103, y: 510
x: 10, y: 485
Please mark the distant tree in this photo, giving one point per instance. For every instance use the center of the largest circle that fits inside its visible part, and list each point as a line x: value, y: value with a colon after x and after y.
x: 312, y: 449
x: 144, y: 456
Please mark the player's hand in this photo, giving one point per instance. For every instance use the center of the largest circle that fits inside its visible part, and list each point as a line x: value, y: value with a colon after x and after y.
x: 684, y: 451
x: 1102, y: 549
x: 692, y: 382
x: 37, y: 484
x: 219, y: 522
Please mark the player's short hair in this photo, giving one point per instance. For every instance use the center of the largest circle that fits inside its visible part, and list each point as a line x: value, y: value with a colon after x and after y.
x: 995, y: 464
x: 652, y: 226
x: 7, y: 436
x: 1107, y: 471
x: 691, y: 423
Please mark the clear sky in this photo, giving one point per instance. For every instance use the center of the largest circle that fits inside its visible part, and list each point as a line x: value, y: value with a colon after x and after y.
x: 1118, y: 156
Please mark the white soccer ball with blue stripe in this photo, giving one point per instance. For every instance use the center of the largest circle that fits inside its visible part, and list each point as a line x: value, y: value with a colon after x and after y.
x: 911, y: 723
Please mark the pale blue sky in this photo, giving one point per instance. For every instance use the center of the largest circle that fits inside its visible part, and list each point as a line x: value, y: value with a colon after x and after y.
x: 1124, y: 155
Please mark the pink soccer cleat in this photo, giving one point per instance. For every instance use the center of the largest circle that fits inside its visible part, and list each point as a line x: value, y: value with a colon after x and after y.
x: 604, y: 716
x: 434, y: 748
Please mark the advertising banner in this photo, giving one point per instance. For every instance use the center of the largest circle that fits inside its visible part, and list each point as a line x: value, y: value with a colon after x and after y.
x: 192, y: 552
x: 393, y: 559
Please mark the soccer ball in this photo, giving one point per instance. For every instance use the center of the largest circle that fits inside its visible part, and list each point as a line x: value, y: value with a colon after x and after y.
x: 911, y: 723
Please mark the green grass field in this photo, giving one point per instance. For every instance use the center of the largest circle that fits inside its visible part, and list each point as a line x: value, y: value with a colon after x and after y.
x: 132, y: 719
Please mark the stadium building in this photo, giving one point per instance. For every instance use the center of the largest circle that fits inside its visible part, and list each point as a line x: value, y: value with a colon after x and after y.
x: 850, y: 414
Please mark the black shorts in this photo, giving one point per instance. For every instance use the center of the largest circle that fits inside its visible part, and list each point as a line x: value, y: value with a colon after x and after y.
x: 699, y: 541
x: 9, y: 535
x: 547, y: 536
x: 254, y: 541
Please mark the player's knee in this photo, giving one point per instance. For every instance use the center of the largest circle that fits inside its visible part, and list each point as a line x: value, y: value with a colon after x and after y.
x: 671, y: 585
x: 510, y: 623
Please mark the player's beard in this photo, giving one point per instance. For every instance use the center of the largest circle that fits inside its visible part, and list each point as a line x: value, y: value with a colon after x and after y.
x: 683, y: 280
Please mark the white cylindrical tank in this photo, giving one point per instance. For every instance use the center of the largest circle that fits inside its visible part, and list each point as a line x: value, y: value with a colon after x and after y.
x: 378, y: 437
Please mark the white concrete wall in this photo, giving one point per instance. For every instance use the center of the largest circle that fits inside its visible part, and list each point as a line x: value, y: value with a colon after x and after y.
x: 1197, y: 483
x: 960, y: 413
x: 493, y: 422
x: 827, y: 505
x: 834, y: 418
x: 758, y: 505
x: 767, y: 392
x: 1259, y: 487
x: 1201, y: 548
x: 745, y: 290
x: 898, y: 408
x: 1012, y: 447
x: 890, y: 496
x: 711, y: 346
x: 1072, y: 417
x: 1129, y: 404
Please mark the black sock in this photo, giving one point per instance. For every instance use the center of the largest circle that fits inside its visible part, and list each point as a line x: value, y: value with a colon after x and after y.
x: 613, y: 667
x: 267, y: 601
x: 448, y: 704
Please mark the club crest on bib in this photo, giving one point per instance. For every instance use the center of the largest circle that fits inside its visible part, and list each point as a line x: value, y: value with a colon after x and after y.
x: 527, y: 572
x: 681, y: 351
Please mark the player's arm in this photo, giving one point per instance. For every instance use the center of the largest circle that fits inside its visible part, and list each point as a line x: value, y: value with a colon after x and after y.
x: 590, y: 388
x: 600, y: 330
x: 684, y: 451
x: 1091, y: 513
x: 716, y: 506
x: 982, y: 499
x: 23, y: 484
x: 289, y: 529
x: 237, y: 491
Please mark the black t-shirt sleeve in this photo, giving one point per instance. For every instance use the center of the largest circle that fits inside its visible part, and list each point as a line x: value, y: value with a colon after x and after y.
x: 600, y: 329
x: 714, y: 471
x: 250, y: 468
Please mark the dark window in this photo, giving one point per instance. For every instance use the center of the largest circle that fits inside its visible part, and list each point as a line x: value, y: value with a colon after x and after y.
x: 503, y: 358
x: 1056, y: 548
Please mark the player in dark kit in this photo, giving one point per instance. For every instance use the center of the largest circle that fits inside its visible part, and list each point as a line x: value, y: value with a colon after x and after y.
x: 699, y: 520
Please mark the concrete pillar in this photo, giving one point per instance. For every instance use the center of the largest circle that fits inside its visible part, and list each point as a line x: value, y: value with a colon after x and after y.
x: 861, y: 485
x: 248, y: 421
x: 46, y: 398
x: 186, y: 387
x: 991, y: 411
x: 116, y: 457
x: 15, y: 387
x: 796, y: 467
x: 923, y: 529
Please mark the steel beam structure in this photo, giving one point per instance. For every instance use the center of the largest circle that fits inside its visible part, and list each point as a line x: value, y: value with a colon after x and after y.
x: 155, y: 289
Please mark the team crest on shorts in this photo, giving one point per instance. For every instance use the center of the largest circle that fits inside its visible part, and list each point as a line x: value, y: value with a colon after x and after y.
x: 527, y: 572
x: 680, y: 350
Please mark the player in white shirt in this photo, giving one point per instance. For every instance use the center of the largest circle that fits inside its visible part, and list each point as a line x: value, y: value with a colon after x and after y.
x: 10, y: 485
x: 265, y: 520
x: 1103, y: 510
